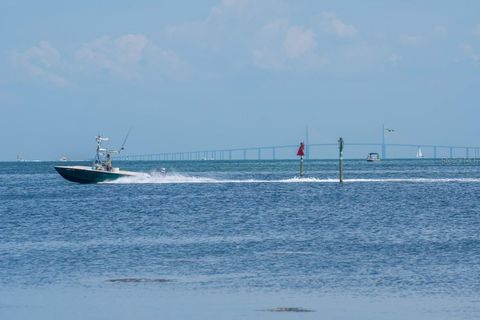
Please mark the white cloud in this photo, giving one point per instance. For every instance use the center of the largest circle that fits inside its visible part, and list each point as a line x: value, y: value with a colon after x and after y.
x: 226, y: 21
x: 333, y: 25
x: 280, y: 45
x: 129, y: 56
x: 298, y: 41
x: 236, y: 29
x: 119, y: 56
x: 42, y: 61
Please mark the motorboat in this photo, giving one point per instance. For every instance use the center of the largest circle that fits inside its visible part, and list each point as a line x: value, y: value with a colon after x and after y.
x: 101, y: 169
x: 373, y: 156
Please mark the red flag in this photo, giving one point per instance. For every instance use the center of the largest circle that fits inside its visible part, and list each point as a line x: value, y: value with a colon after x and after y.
x: 301, y: 150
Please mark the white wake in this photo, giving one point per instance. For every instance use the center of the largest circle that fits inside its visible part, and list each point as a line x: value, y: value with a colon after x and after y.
x: 177, y: 178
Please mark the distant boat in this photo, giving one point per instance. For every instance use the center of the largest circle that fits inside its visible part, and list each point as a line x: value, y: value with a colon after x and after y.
x: 373, y: 156
x: 63, y: 158
x: 100, y: 171
x: 419, y: 153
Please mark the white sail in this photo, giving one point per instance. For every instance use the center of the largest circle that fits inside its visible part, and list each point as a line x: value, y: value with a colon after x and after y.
x: 419, y: 153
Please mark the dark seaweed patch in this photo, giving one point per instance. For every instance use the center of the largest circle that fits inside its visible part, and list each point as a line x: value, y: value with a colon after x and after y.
x: 289, y: 309
x: 139, y: 280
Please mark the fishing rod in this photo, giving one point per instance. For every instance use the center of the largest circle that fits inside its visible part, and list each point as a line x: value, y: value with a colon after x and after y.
x: 125, y: 140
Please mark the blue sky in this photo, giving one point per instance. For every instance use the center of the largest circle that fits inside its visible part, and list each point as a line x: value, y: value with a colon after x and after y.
x: 191, y: 75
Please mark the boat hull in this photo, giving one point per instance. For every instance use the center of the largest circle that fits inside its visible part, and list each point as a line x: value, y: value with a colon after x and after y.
x: 82, y: 174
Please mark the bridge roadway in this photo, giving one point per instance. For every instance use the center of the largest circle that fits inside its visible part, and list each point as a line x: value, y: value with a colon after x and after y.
x: 260, y: 153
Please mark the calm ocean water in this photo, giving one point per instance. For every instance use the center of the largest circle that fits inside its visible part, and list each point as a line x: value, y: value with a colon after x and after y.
x: 400, y: 239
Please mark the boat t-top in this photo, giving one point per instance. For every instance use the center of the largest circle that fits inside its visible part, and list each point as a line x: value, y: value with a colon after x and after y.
x: 101, y: 169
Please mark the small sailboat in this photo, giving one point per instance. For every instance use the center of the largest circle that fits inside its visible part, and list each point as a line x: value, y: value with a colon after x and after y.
x: 419, y: 153
x: 101, y: 169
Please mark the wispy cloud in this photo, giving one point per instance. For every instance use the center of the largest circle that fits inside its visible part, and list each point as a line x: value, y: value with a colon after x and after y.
x: 120, y: 56
x: 127, y: 56
x: 228, y: 6
x: 229, y: 22
x: 333, y: 25
x: 280, y: 45
x: 298, y: 41
x: 270, y: 38
x: 470, y: 53
x: 42, y: 61
x: 232, y: 34
x: 395, y: 58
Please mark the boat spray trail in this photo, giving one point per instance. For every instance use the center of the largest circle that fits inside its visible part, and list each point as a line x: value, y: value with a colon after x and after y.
x: 179, y: 178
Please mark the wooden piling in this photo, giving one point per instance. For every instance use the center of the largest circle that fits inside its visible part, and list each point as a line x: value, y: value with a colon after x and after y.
x: 340, y: 160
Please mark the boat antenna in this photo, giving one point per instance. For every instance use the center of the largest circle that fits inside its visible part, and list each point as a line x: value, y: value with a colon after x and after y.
x: 125, y: 140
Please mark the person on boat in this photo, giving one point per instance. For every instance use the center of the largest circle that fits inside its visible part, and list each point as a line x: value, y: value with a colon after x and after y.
x: 108, y: 164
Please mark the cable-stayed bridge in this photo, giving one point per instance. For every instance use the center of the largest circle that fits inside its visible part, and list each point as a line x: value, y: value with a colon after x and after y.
x: 314, y: 151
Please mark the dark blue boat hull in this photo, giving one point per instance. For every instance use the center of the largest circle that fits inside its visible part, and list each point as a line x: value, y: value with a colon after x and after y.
x: 81, y: 175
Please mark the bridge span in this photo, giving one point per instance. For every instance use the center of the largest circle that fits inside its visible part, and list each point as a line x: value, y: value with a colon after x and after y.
x: 314, y: 151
